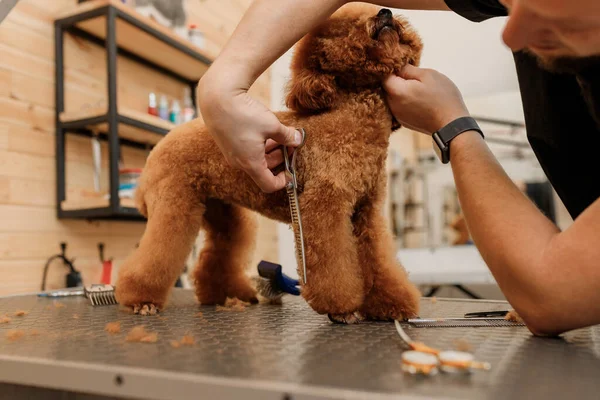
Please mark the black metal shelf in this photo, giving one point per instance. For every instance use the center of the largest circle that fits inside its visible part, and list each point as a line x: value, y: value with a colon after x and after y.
x: 122, y: 213
x: 141, y: 40
x: 133, y: 132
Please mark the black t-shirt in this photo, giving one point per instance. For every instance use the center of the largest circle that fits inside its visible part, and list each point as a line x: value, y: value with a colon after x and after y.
x: 562, y: 118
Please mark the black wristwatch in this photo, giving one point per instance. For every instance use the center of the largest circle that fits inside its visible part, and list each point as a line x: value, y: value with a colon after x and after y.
x: 442, y: 138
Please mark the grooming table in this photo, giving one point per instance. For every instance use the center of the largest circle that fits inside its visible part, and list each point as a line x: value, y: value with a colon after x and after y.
x: 276, y: 352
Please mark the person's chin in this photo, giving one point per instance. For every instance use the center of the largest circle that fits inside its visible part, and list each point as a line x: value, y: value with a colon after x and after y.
x: 559, y: 62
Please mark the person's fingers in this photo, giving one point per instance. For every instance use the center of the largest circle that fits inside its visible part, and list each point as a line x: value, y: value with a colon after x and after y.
x: 287, y: 136
x: 274, y: 158
x: 270, y: 145
x: 412, y: 72
x: 265, y: 179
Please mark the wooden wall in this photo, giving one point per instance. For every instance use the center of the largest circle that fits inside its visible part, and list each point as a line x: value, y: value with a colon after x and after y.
x: 29, y: 229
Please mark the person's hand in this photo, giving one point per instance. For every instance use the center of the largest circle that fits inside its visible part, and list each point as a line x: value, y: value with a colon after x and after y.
x: 241, y: 126
x: 424, y: 100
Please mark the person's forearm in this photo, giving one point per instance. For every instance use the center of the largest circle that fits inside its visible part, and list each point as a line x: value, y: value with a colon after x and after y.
x: 509, y: 231
x: 269, y: 28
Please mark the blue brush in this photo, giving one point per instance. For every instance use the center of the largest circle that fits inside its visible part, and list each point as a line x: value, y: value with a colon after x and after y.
x: 273, y: 283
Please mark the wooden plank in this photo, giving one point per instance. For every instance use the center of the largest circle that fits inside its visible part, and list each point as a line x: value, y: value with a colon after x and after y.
x: 4, y: 189
x: 25, y: 39
x: 18, y: 60
x: 24, y: 139
x: 42, y: 219
x: 32, y: 246
x: 25, y: 165
x: 34, y: 91
x: 84, y: 204
x: 27, y: 274
x: 26, y: 114
x: 53, y: 8
x: 27, y: 192
x: 30, y: 17
x: 5, y: 80
x: 3, y: 135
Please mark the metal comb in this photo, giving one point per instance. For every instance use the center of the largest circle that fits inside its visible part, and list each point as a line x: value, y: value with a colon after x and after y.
x: 292, y: 192
x: 461, y: 322
x: 98, y: 294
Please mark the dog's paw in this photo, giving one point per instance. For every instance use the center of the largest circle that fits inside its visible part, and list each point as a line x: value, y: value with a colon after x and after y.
x: 377, y: 308
x: 348, y: 319
x: 145, y: 309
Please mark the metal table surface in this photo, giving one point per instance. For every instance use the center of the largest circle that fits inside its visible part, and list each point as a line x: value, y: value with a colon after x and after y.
x: 278, y: 352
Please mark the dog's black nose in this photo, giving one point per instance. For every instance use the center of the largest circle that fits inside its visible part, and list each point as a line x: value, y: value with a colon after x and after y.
x: 384, y: 13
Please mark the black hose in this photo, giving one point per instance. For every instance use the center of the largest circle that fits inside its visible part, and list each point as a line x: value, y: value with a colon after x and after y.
x: 65, y: 260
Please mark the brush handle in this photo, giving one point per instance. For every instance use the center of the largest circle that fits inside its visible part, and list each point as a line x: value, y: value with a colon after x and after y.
x: 280, y: 281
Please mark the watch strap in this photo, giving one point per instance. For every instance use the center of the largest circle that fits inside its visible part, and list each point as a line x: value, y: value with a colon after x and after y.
x: 442, y: 137
x: 458, y: 126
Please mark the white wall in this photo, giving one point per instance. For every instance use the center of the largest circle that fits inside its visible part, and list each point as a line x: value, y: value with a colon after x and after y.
x: 471, y: 54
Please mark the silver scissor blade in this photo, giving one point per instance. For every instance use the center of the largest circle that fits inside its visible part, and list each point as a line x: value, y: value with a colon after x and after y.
x: 292, y: 192
x: 297, y: 227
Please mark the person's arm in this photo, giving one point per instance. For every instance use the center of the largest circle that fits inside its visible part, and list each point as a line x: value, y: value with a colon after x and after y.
x: 239, y: 124
x: 268, y: 29
x: 551, y: 278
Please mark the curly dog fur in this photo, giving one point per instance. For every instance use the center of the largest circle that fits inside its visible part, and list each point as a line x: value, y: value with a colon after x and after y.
x: 335, y: 94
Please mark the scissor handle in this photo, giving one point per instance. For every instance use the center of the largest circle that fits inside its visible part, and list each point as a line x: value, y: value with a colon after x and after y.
x: 290, y: 166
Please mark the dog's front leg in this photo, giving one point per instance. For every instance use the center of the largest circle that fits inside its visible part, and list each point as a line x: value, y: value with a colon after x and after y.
x: 389, y: 293
x: 334, y: 279
x: 147, y: 276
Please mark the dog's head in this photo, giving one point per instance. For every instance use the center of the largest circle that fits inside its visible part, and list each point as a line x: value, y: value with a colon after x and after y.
x: 354, y: 50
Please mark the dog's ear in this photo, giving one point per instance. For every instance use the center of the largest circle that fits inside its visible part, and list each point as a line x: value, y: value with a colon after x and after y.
x: 309, y: 91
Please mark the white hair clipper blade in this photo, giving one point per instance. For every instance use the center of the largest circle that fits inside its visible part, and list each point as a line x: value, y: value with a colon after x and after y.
x: 292, y: 192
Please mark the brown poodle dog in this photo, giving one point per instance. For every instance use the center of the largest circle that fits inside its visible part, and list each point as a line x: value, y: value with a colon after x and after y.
x: 336, y: 96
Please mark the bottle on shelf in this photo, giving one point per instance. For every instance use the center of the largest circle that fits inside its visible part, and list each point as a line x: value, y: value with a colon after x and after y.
x: 175, y: 115
x: 196, y: 36
x: 188, y: 107
x: 163, y: 108
x: 152, y: 110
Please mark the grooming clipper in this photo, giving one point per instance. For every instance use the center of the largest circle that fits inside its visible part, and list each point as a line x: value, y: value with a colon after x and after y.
x: 292, y: 192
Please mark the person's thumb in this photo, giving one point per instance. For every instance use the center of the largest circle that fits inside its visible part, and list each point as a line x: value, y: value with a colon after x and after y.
x: 411, y: 72
x: 287, y: 136
x: 394, y: 85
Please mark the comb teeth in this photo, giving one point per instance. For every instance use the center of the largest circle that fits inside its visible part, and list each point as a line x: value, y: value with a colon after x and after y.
x: 101, y: 295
